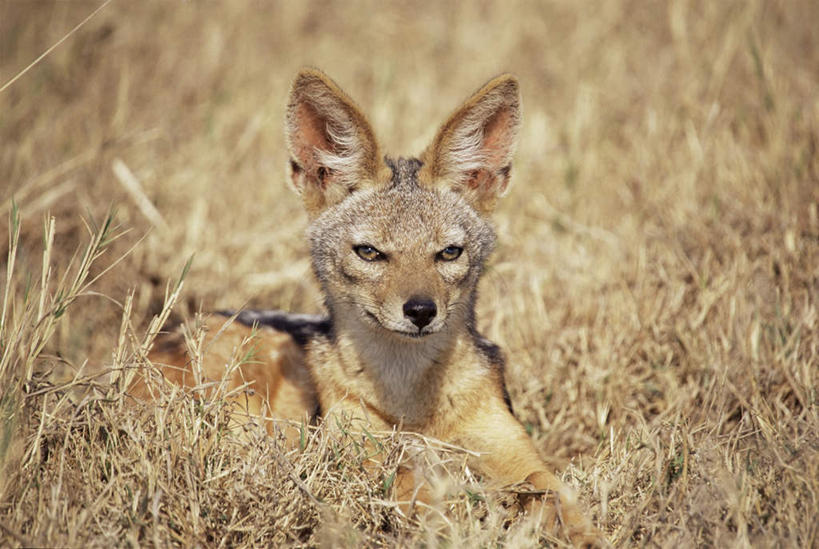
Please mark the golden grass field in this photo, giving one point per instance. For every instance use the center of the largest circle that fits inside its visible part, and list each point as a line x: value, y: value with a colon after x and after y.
x: 655, y: 286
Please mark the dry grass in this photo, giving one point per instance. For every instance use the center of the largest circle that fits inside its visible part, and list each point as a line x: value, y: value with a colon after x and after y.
x: 655, y: 287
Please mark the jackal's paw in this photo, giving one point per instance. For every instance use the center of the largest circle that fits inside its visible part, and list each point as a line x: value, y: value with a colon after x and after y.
x: 560, y: 513
x: 562, y: 518
x: 590, y: 540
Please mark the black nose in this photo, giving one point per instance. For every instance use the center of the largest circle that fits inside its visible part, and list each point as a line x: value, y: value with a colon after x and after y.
x: 420, y: 311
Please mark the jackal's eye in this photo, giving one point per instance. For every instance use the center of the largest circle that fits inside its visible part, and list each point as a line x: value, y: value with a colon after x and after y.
x: 368, y: 253
x: 450, y: 253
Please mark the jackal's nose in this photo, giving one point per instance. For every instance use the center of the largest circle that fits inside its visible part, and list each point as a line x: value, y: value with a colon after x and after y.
x: 420, y: 311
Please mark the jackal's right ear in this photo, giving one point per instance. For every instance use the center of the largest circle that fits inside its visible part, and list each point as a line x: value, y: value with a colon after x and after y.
x: 332, y: 146
x: 472, y: 152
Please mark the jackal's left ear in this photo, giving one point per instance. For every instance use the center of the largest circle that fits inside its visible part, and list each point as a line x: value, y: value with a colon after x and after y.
x: 332, y: 146
x: 472, y: 152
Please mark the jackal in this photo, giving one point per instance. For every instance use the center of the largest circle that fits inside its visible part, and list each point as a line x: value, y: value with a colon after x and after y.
x: 398, y: 246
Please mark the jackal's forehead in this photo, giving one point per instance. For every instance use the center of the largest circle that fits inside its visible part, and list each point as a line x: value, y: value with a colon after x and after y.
x: 404, y: 214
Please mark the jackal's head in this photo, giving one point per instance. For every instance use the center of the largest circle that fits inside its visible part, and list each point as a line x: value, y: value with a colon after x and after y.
x: 399, y: 245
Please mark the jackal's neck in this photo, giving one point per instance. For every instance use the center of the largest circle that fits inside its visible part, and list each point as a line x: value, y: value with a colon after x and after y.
x: 401, y: 378
x: 397, y: 366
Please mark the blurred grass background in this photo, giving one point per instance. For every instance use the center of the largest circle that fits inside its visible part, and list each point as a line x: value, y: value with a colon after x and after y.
x: 655, y: 285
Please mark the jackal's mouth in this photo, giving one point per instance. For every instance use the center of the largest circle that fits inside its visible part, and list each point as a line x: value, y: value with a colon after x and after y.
x: 411, y: 334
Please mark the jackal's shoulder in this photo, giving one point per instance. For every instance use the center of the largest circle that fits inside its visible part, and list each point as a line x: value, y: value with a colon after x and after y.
x: 492, y: 352
x: 495, y: 358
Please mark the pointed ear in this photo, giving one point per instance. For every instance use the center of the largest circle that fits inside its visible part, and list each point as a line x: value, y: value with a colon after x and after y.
x: 332, y: 146
x: 472, y: 152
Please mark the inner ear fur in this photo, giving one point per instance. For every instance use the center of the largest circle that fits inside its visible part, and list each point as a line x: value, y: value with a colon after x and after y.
x: 472, y: 152
x: 332, y: 145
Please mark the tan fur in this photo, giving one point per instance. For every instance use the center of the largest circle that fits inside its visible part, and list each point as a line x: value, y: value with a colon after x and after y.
x: 381, y: 364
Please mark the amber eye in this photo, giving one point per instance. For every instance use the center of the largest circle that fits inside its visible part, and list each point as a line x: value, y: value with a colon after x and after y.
x: 368, y: 253
x: 450, y: 253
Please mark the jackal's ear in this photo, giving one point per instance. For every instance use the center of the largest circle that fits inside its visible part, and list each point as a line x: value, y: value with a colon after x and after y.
x: 332, y: 146
x: 472, y: 152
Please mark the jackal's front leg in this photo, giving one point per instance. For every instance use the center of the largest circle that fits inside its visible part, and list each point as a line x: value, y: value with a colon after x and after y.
x: 508, y: 457
x: 360, y: 419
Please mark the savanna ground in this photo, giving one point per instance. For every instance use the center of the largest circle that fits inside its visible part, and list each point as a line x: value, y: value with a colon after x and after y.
x: 655, y: 286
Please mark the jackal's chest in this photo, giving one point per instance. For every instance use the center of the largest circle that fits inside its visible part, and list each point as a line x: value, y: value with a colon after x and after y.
x: 436, y: 404
x: 426, y: 397
x: 397, y: 394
